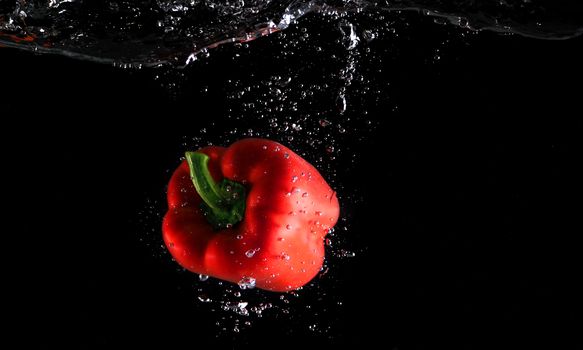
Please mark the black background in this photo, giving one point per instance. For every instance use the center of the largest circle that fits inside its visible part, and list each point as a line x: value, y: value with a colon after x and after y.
x: 467, y: 241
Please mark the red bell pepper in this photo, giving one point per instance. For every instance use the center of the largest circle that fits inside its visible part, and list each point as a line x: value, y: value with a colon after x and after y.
x: 254, y: 213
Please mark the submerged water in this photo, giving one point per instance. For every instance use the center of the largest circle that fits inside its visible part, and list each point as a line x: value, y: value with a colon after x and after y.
x: 152, y: 32
x: 308, y: 91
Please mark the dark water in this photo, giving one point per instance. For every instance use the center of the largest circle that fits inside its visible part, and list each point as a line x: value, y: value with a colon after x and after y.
x: 467, y: 238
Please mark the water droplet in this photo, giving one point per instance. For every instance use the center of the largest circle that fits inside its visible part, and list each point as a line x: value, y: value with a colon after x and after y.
x: 347, y: 254
x: 237, y: 307
x: 203, y: 277
x: 277, y: 149
x: 294, y: 178
x: 284, y: 256
x: 305, y: 194
x: 341, y: 103
x: 318, y: 213
x: 324, y: 123
x: 313, y: 327
x: 328, y: 242
x: 286, y: 155
x: 247, y: 283
x: 204, y: 299
x: 264, y: 147
x: 239, y: 237
x: 288, y: 227
x: 251, y: 252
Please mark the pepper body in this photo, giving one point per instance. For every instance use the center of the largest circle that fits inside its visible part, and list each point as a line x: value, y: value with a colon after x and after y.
x: 289, y: 209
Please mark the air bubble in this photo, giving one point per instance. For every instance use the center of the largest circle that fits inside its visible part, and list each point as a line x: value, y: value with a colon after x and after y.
x: 251, y: 252
x: 239, y: 308
x: 346, y: 253
x: 247, y: 283
x: 284, y: 256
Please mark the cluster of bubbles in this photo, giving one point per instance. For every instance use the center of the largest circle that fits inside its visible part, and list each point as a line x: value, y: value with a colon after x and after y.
x: 239, y: 307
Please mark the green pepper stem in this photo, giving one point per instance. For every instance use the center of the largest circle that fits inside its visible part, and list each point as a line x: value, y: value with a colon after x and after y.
x: 204, y: 183
x: 224, y: 202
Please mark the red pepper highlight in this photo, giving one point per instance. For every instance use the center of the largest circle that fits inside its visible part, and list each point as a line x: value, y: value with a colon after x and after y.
x: 254, y: 213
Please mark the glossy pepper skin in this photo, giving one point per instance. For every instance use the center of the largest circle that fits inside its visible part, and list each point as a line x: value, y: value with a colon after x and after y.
x: 278, y: 241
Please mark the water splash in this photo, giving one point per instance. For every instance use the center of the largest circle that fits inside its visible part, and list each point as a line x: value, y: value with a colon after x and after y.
x: 155, y: 32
